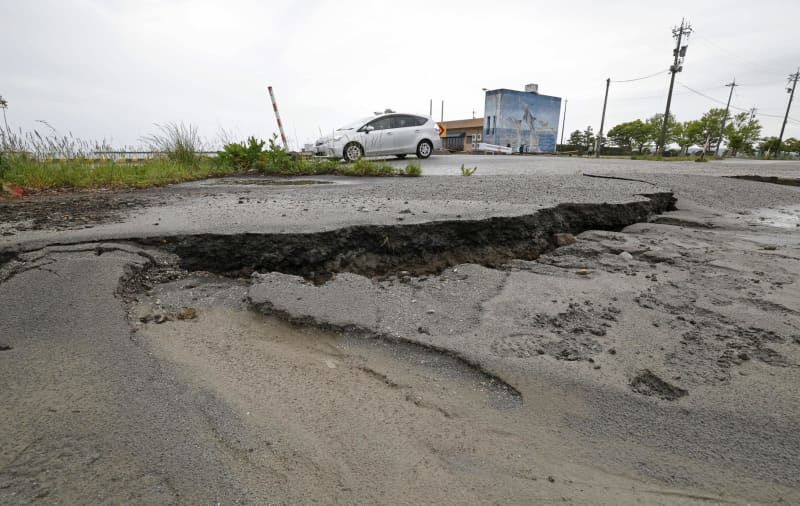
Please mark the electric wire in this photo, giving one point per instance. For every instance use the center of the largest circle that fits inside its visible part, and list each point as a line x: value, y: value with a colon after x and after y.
x: 765, y: 115
x: 641, y: 78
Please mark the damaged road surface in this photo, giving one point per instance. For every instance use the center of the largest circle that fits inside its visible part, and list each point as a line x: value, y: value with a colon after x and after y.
x: 501, y: 339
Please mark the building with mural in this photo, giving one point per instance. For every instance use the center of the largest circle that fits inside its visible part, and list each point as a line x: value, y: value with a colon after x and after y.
x: 524, y: 120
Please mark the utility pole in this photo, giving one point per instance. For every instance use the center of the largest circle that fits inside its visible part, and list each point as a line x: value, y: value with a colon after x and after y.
x: 793, y: 78
x: 4, y: 106
x: 431, y: 109
x: 732, y: 85
x: 564, y: 123
x: 679, y: 53
x: 599, y: 141
x: 442, y: 111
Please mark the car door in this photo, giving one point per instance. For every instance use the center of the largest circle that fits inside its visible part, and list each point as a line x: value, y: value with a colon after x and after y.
x: 379, y: 139
x: 404, y: 133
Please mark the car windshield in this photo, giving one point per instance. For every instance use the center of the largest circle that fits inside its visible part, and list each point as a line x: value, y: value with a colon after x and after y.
x: 355, y: 124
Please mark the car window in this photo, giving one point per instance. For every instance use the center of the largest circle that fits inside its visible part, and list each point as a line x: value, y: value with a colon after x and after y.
x: 406, y: 120
x: 382, y: 123
x: 402, y: 121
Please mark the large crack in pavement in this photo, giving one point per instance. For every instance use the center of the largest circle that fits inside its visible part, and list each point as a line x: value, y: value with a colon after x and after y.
x: 385, y: 251
x: 425, y: 248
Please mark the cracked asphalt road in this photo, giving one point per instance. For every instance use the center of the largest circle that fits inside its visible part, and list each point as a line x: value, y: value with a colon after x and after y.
x: 402, y: 389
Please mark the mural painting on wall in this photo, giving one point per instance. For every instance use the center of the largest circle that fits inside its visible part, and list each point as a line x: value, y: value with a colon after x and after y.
x: 522, y: 120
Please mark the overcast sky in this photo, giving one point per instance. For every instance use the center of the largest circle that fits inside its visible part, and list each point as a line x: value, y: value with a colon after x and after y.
x: 111, y: 69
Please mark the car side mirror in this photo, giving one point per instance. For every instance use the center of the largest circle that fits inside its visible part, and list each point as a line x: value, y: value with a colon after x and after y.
x: 368, y: 129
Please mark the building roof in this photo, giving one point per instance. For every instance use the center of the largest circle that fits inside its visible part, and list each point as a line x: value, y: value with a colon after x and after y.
x: 464, y: 123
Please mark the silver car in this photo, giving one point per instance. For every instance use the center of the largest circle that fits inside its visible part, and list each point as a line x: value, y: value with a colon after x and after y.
x: 382, y: 135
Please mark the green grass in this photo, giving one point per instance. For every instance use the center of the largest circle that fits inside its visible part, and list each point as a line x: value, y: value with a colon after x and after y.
x: 412, y: 169
x: 36, y: 174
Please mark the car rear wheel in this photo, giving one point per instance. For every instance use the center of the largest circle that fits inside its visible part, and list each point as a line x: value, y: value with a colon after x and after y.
x: 353, y: 152
x: 424, y: 149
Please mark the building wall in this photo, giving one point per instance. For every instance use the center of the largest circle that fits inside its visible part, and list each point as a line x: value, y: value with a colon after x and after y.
x: 472, y: 134
x: 519, y: 118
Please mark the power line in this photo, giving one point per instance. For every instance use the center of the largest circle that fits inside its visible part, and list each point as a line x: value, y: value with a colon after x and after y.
x: 703, y: 94
x: 642, y: 78
x: 730, y: 54
x: 740, y: 109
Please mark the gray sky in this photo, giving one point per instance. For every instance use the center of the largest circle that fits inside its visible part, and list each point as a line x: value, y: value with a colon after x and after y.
x: 111, y: 69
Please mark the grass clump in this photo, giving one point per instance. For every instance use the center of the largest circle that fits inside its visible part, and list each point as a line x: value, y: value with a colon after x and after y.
x: 179, y: 142
x: 363, y: 167
x: 467, y: 172
x: 412, y: 169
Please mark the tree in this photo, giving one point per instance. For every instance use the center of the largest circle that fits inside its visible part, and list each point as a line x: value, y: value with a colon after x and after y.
x: 640, y: 134
x: 693, y: 132
x: 742, y: 133
x: 576, y: 138
x: 769, y: 145
x: 653, y: 127
x: 583, y: 140
x: 712, y: 121
x: 621, y: 135
x: 792, y: 145
x: 628, y: 135
x: 588, y: 139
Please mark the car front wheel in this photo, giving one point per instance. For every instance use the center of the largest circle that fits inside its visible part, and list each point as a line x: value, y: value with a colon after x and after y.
x: 424, y: 149
x: 353, y: 152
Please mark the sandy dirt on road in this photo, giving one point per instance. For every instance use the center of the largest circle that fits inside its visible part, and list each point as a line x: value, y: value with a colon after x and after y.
x: 340, y: 420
